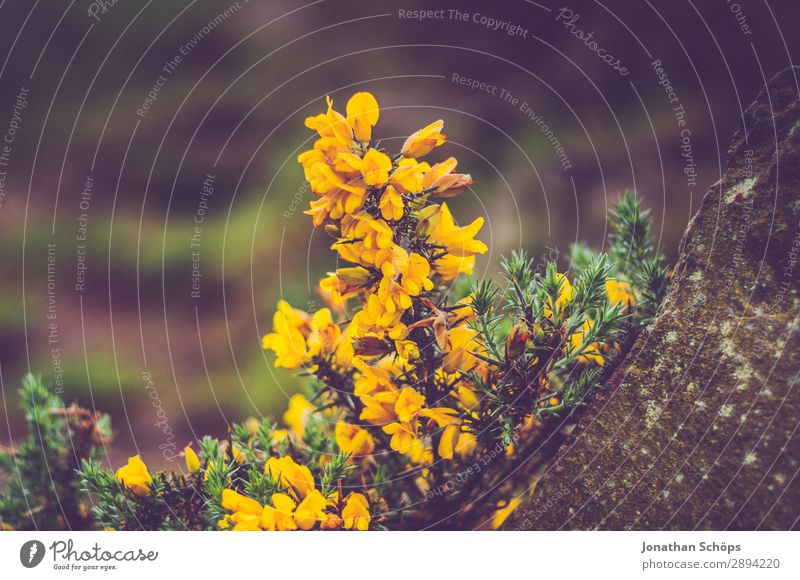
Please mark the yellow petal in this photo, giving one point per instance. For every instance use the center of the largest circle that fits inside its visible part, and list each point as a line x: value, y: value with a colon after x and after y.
x: 362, y: 115
x: 192, y: 460
x: 449, y: 441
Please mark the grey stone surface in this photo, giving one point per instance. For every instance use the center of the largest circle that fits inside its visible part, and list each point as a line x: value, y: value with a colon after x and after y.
x: 698, y: 428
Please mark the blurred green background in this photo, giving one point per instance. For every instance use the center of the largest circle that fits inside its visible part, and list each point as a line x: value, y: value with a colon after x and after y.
x: 127, y: 335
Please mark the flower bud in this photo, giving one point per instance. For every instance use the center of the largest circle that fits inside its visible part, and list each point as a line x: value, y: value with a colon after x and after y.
x: 422, y: 142
x: 354, y: 277
x: 192, y: 460
x: 333, y: 522
x: 517, y: 340
x: 451, y: 185
x: 253, y: 425
x: 333, y: 231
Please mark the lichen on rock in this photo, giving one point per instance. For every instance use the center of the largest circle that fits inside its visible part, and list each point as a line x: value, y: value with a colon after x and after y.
x: 697, y: 428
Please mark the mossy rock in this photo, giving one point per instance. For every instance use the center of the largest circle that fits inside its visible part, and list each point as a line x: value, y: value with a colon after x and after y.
x: 698, y: 428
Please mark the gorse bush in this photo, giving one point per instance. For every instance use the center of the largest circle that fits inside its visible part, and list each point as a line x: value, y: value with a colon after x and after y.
x: 42, y: 485
x: 429, y: 397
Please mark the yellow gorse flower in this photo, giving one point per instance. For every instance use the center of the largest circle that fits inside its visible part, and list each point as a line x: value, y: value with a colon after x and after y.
x: 297, y: 414
x: 378, y: 408
x: 280, y: 515
x: 375, y: 167
x: 590, y: 353
x: 423, y: 141
x: 565, y: 293
x: 459, y: 241
x: 287, y: 339
x: 620, y: 293
x: 409, y: 175
x: 311, y: 511
x: 247, y: 511
x: 297, y: 478
x: 362, y: 115
x: 353, y: 439
x: 135, y: 476
x: 391, y: 204
x: 192, y: 460
x: 356, y: 513
x: 408, y: 405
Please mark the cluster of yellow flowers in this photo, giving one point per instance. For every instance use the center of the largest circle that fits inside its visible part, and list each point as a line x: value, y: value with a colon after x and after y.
x: 409, y: 383
x: 302, y: 507
x: 364, y: 196
x: 401, y: 244
x: 285, y: 514
x: 403, y: 248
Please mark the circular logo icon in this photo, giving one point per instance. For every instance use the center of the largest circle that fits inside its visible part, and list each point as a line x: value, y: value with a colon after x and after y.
x: 31, y: 553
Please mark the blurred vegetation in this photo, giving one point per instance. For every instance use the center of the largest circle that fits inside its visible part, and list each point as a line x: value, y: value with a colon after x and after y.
x: 235, y: 106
